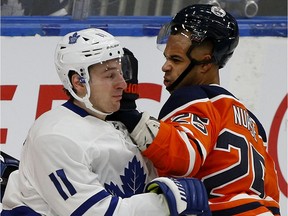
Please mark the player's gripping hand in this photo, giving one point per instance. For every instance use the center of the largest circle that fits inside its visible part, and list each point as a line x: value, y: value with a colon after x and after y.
x: 127, y: 113
x: 142, y: 127
x: 131, y: 93
x: 185, y: 196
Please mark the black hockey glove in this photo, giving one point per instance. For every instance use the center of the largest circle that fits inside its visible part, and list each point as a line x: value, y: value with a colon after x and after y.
x: 131, y: 93
x: 127, y: 113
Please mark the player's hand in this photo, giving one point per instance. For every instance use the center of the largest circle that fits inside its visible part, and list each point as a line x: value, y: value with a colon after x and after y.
x: 184, y: 195
x: 131, y: 93
x: 127, y: 113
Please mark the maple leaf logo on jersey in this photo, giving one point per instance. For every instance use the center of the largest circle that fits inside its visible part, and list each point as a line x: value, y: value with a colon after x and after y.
x: 133, y: 181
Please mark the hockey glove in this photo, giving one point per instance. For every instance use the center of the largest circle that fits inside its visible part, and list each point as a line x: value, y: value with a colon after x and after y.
x: 184, y: 195
x: 127, y: 113
x: 144, y: 127
x: 131, y: 93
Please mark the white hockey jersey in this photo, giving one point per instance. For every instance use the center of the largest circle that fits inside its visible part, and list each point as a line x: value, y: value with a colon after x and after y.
x: 75, y: 164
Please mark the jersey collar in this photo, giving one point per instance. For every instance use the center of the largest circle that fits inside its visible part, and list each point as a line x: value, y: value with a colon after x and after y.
x: 78, y: 110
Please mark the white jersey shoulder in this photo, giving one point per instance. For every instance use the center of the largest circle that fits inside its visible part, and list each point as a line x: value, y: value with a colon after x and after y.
x: 75, y: 164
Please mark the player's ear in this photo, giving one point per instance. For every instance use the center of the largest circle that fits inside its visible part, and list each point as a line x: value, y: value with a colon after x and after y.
x: 206, y: 66
x: 77, y: 84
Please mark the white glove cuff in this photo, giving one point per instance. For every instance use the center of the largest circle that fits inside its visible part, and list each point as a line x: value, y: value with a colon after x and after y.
x: 145, y: 131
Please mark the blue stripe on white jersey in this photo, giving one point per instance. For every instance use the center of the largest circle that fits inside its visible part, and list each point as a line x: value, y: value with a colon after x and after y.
x: 58, y: 186
x: 112, y: 206
x: 20, y: 210
x: 66, y: 182
x: 92, y: 201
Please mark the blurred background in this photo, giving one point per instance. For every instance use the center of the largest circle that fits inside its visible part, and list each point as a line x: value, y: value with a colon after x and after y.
x: 81, y: 9
x: 258, y: 74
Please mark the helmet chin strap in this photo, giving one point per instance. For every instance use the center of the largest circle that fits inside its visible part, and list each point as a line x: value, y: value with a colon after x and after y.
x: 192, y: 64
x: 87, y: 102
x: 89, y: 106
x: 182, y: 76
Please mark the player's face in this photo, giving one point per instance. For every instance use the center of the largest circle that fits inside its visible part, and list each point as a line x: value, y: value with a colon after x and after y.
x: 107, y: 85
x: 177, y: 61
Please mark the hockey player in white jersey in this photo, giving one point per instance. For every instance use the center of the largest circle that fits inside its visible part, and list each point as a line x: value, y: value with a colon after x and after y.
x: 73, y: 162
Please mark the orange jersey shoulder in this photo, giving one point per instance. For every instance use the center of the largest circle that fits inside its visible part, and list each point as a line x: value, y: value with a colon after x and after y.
x: 207, y: 133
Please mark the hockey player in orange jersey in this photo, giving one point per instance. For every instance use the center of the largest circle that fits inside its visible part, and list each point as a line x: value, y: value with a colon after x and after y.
x: 203, y: 130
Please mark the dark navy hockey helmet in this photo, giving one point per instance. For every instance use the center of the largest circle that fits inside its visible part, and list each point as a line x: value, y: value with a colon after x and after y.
x: 202, y: 22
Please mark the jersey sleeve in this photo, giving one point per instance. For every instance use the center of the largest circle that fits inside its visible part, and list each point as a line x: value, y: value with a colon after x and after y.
x: 70, y: 188
x: 215, y: 138
x: 184, y: 139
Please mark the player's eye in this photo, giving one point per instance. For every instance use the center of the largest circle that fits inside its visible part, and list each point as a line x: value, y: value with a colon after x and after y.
x: 110, y: 74
x: 175, y: 59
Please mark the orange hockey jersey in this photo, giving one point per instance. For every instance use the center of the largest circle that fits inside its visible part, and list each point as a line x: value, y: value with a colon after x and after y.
x: 206, y: 132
